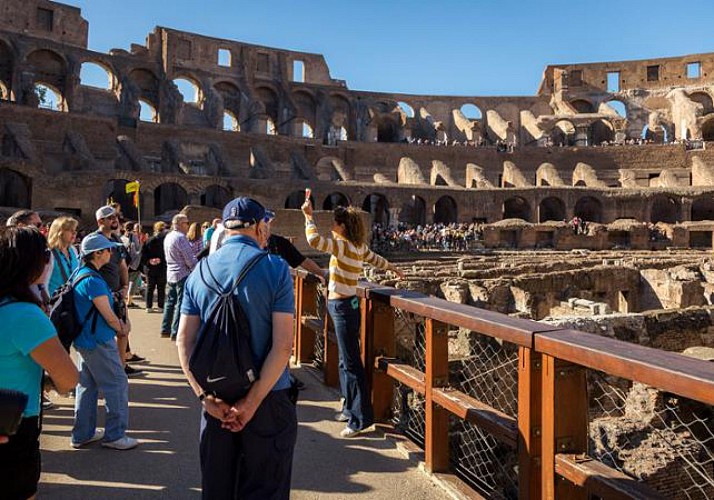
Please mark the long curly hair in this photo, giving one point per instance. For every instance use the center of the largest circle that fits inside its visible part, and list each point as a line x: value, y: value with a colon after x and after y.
x: 354, y: 226
x: 23, y: 257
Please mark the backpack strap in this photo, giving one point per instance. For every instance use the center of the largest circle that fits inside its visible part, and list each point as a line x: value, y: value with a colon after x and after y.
x: 58, y: 262
x: 242, y: 274
x: 92, y: 309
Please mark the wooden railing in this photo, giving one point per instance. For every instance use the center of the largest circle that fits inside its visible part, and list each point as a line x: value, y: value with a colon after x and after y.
x: 549, y: 431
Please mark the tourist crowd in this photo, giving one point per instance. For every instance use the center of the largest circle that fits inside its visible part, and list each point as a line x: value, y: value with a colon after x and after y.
x: 405, y: 237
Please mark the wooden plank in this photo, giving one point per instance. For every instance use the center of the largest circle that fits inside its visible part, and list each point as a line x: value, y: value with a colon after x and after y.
x: 600, y: 480
x: 403, y: 373
x: 668, y: 371
x: 514, y: 330
x: 378, y: 324
x: 436, y: 441
x: 499, y: 425
x: 529, y: 423
x: 548, y: 428
x: 331, y: 363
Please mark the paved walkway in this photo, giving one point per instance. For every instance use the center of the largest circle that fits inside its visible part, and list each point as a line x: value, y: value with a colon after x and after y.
x: 164, y: 416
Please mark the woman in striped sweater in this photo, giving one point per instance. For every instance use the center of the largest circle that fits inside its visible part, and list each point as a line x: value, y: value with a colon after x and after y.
x: 349, y: 252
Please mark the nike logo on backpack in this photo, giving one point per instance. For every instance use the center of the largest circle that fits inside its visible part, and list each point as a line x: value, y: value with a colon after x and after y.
x: 212, y: 380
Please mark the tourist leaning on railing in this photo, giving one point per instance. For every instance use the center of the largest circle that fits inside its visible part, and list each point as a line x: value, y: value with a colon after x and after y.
x: 28, y: 344
x: 349, y: 252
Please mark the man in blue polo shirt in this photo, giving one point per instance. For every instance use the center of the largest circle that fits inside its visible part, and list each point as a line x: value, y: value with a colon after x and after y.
x: 246, y: 446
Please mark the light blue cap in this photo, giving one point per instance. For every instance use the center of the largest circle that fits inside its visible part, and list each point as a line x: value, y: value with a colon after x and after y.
x: 95, y: 242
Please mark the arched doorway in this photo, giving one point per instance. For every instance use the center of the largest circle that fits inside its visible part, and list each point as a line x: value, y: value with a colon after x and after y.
x: 6, y: 70
x: 551, y: 209
x: 703, y: 208
x: 115, y: 191
x: 15, y: 189
x: 387, y: 131
x: 296, y: 199
x: 563, y: 133
x: 705, y: 100
x: 517, y: 208
x: 665, y: 209
x: 601, y: 131
x: 588, y: 209
x: 445, y: 210
x: 377, y: 205
x: 169, y: 197
x: 335, y: 200
x: 582, y: 106
x: 215, y: 197
x: 708, y: 130
x: 414, y: 211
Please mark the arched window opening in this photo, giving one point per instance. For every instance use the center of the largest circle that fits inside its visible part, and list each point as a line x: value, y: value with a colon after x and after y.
x: 298, y: 71
x: 224, y: 58
x: 49, y: 97
x: 114, y: 191
x: 705, y: 100
x: 270, y: 127
x: 189, y: 89
x: 471, y: 111
x: 342, y: 134
x: 703, y: 209
x: 230, y: 122
x: 304, y: 129
x: 658, y: 137
x: 169, y: 197
x: 378, y: 206
x: 295, y: 200
x: 551, y: 209
x: 445, y: 210
x: 147, y: 112
x: 14, y: 189
x: 665, y: 209
x: 618, y: 107
x: 563, y: 133
x: 4, y: 91
x: 414, y: 211
x: 708, y: 130
x: 406, y: 108
x: 582, y: 106
x: 517, y: 208
x: 588, y: 209
x: 387, y: 131
x: 96, y: 76
x: 335, y: 200
x: 215, y: 197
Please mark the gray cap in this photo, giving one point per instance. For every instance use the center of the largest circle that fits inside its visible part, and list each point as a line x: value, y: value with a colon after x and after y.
x: 104, y: 212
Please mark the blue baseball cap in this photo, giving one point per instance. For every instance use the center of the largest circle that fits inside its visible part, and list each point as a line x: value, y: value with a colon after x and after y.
x: 242, y: 212
x: 95, y: 242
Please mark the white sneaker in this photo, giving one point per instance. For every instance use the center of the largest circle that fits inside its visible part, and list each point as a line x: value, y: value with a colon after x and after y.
x: 98, y: 435
x: 349, y: 432
x: 125, y: 443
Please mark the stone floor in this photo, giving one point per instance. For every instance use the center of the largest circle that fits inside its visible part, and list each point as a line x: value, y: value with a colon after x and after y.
x: 164, y: 417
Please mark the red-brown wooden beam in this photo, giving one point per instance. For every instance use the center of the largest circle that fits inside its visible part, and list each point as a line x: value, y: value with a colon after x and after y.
x: 436, y: 446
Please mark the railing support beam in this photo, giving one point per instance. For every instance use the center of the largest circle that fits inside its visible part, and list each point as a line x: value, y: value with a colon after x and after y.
x: 437, y: 418
x: 377, y: 333
x: 529, y: 423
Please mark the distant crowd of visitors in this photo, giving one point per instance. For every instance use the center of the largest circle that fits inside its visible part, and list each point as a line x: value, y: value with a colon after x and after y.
x: 456, y: 237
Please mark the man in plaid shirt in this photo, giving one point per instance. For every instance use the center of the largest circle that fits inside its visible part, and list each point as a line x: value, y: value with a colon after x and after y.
x: 180, y: 260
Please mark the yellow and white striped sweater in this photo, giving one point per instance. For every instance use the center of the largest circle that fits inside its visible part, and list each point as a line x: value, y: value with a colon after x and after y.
x: 346, y: 261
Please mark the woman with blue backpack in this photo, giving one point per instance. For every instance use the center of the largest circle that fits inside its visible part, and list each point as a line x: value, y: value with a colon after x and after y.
x: 28, y: 345
x: 100, y: 366
x: 60, y: 239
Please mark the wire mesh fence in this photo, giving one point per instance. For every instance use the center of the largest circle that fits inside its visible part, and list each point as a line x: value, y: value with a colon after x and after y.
x: 486, y: 370
x: 319, y: 346
x: 661, y: 439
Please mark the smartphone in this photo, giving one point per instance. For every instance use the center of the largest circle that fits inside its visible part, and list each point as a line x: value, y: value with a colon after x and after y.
x: 12, y: 404
x: 308, y: 192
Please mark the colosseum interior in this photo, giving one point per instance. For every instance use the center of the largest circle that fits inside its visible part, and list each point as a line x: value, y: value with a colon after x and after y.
x: 625, y: 146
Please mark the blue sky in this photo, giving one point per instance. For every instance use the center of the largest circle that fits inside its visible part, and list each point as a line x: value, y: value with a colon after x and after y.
x: 477, y: 47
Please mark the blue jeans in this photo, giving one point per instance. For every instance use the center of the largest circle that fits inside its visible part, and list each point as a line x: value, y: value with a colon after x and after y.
x: 345, y: 316
x: 172, y: 308
x: 101, y: 371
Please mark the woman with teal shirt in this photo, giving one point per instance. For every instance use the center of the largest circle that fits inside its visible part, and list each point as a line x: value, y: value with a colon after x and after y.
x: 60, y: 239
x: 28, y: 345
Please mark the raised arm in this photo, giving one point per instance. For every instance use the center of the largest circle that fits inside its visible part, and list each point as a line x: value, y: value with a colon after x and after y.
x: 380, y: 262
x: 314, y: 239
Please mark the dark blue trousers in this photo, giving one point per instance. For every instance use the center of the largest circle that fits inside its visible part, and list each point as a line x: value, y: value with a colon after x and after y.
x: 345, y: 316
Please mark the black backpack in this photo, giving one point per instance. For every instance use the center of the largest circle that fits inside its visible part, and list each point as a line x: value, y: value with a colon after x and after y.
x: 63, y: 312
x: 222, y: 361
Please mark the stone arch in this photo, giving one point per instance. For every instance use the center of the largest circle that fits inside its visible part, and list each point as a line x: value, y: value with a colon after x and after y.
x: 148, y: 112
x: 705, y: 100
x: 563, y: 133
x: 269, y: 98
x: 614, y: 106
x: 333, y: 169
x: 230, y: 121
x: 304, y: 104
x: 340, y: 117
x: 216, y: 196
x: 551, y: 209
x: 582, y: 106
x: 407, y: 109
x: 296, y: 199
x: 115, y: 190
x: 93, y: 71
x: 601, y: 131
x: 50, y: 97
x: 665, y: 209
x: 708, y: 129
x: 15, y: 189
x: 589, y: 209
x: 445, y: 210
x: 387, y: 130
x: 471, y: 111
x: 547, y: 175
x: 303, y: 128
x: 517, y: 208
x: 50, y: 68
x: 7, y: 68
x: 147, y: 83
x: 378, y: 206
x: 190, y: 89
x: 334, y: 200
x: 231, y: 96
x: 169, y: 197
x: 413, y: 211
x: 703, y: 208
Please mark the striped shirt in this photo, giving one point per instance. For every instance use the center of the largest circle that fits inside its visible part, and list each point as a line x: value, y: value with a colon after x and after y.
x: 346, y: 261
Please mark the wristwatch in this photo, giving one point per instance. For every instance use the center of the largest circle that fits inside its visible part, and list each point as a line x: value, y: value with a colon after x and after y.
x: 202, y: 396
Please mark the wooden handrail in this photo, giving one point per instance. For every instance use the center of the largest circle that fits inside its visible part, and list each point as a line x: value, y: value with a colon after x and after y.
x: 667, y: 371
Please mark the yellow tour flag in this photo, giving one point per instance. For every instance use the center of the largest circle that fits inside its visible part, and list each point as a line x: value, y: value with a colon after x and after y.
x: 132, y: 187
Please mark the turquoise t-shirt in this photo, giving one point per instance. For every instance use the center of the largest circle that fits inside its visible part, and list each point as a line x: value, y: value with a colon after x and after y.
x: 67, y: 265
x: 23, y: 327
x: 84, y: 293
